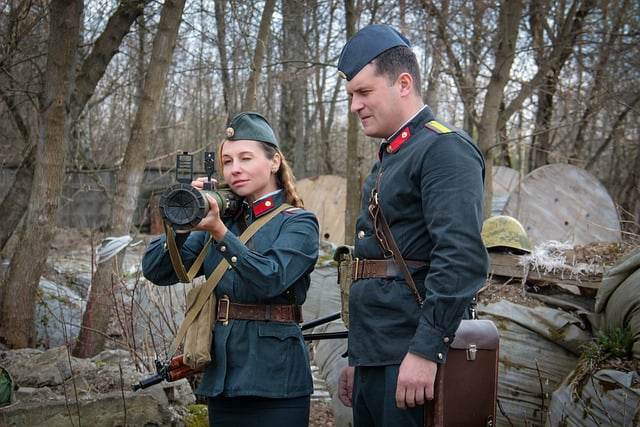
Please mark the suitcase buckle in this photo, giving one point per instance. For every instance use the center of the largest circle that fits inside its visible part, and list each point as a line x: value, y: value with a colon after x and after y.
x: 471, y: 352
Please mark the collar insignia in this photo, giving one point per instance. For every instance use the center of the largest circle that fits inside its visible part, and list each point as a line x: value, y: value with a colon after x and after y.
x: 263, y: 206
x: 400, y: 139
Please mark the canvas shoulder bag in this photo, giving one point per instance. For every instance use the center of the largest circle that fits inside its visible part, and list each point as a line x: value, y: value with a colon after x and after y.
x: 195, y: 333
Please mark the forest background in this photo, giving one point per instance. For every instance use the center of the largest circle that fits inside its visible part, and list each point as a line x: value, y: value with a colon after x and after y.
x: 100, y: 85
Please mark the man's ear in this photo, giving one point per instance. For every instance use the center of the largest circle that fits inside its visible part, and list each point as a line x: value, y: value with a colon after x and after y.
x: 406, y: 83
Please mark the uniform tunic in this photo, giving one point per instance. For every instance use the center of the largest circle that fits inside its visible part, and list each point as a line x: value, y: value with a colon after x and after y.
x: 253, y: 358
x: 431, y: 193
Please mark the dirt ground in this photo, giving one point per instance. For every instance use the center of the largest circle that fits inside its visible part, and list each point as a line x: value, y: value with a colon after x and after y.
x: 321, y: 413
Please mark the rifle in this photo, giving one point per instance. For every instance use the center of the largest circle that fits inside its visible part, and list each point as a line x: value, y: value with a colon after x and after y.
x: 169, y: 370
x: 175, y: 369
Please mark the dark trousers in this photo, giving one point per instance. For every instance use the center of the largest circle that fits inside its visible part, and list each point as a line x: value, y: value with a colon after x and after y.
x: 374, y: 399
x: 258, y: 412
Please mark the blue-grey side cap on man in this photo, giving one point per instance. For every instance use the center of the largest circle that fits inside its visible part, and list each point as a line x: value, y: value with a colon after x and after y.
x: 365, y: 46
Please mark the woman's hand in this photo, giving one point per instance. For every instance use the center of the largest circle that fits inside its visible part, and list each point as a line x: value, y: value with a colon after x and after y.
x: 211, y: 223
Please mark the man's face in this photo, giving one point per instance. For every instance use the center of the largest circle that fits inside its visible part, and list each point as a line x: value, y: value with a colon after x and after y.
x: 376, y: 102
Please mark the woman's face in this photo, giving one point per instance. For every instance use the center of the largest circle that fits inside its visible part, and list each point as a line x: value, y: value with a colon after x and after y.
x: 248, y: 170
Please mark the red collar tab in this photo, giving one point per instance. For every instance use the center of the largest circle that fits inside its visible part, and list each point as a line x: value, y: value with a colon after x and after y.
x: 262, y: 206
x: 400, y: 139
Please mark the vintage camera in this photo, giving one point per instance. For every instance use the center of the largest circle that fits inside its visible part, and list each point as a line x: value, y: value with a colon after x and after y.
x: 183, y: 206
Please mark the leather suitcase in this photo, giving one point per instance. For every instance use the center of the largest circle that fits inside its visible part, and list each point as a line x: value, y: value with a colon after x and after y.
x: 466, y: 386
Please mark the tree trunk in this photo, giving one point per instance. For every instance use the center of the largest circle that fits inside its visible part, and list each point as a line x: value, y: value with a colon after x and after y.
x: 107, y: 276
x: 14, y: 204
x: 354, y: 180
x: 18, y: 307
x: 221, y: 29
x: 249, y: 103
x: 489, y: 125
x: 293, y: 85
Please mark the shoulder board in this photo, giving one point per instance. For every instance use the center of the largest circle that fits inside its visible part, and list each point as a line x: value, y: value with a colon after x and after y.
x: 292, y: 210
x: 438, y: 128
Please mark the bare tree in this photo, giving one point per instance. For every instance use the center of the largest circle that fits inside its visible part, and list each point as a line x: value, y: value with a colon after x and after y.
x: 262, y: 41
x: 16, y: 320
x: 92, y: 69
x: 294, y: 82
x: 354, y: 178
x: 569, y: 29
x: 17, y: 328
x: 221, y: 29
x: 107, y: 276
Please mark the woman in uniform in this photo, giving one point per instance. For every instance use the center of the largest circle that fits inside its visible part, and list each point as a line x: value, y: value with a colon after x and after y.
x: 259, y: 373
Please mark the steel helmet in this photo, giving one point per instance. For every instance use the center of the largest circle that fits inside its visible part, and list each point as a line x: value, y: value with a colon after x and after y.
x: 504, y: 231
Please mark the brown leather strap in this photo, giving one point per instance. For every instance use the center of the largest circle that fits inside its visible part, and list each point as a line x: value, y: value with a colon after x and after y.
x: 268, y: 312
x: 379, y: 268
x: 386, y: 240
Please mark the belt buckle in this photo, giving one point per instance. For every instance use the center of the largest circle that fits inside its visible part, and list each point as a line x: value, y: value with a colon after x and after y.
x: 223, y: 310
x: 356, y: 273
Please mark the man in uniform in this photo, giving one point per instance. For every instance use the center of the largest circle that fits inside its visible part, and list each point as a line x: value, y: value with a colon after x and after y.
x: 428, y: 183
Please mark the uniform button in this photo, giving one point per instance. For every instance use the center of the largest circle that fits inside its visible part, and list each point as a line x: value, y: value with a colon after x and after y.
x: 446, y: 339
x: 223, y: 248
x: 234, y: 259
x: 229, y: 267
x: 164, y: 245
x: 360, y: 234
x: 440, y: 356
x: 389, y: 149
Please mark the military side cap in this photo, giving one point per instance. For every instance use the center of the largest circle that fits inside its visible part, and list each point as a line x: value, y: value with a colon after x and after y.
x: 251, y: 126
x: 366, y: 45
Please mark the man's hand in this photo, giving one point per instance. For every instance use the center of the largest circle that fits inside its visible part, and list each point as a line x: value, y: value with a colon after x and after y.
x: 415, y: 381
x: 345, y: 386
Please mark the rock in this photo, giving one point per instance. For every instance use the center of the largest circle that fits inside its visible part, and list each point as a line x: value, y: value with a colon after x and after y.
x: 56, y: 389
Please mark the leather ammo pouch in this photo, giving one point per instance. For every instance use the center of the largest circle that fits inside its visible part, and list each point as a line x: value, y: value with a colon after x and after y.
x: 466, y: 386
x: 343, y: 256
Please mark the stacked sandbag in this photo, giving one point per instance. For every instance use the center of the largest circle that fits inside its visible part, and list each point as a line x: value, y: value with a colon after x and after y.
x: 618, y: 299
x: 538, y: 348
x: 607, y: 396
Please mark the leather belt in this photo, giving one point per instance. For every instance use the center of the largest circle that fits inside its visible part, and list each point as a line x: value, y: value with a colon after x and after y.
x: 269, y: 312
x: 379, y: 268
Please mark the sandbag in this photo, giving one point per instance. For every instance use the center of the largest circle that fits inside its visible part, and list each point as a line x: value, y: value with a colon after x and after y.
x: 618, y: 299
x: 538, y: 349
x: 606, y: 398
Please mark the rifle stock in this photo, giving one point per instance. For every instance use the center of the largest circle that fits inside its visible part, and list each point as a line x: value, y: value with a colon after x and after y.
x: 171, y: 370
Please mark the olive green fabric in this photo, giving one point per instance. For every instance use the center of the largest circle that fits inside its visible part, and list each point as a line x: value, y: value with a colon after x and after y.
x: 618, y: 299
x: 6, y: 387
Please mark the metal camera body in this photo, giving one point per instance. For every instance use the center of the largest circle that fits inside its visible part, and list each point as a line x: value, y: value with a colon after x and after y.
x: 182, y: 206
